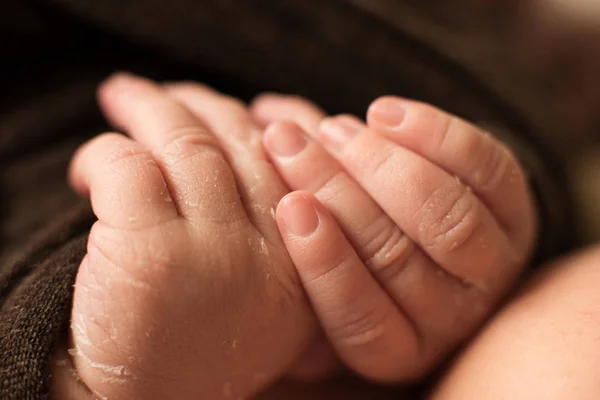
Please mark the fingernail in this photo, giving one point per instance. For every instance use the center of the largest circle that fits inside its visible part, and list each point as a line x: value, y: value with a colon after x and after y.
x: 284, y: 140
x: 388, y: 112
x: 338, y: 132
x: 300, y: 217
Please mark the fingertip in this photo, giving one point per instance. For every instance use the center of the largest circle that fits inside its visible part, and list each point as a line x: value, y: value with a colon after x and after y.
x: 184, y: 90
x: 359, y: 318
x: 75, y: 176
x: 107, y: 95
x: 297, y: 214
x: 350, y: 120
x: 270, y: 107
x: 283, y: 139
x: 266, y: 98
x: 271, y: 130
x: 117, y: 80
x: 277, y: 126
x: 78, y: 184
x: 123, y: 78
x: 335, y: 133
x: 387, y: 112
x: 119, y: 88
x: 261, y: 108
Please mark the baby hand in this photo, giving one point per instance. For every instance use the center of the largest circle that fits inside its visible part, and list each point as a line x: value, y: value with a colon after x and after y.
x: 187, y: 290
x: 405, y: 231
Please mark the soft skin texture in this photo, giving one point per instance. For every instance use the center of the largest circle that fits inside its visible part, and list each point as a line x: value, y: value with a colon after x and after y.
x: 187, y: 273
x: 436, y: 223
x: 187, y: 290
x: 543, y: 345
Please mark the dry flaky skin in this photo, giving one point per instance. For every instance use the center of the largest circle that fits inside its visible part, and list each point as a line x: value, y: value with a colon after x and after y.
x: 47, y: 108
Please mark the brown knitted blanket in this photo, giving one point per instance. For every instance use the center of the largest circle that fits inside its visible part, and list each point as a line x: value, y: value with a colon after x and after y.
x: 55, y: 52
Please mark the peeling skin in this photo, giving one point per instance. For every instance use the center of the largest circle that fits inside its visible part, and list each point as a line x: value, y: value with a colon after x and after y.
x: 191, y: 203
x: 80, y: 330
x: 136, y: 283
x: 259, y: 177
x: 263, y: 210
x: 119, y: 374
x: 263, y: 246
x: 111, y: 373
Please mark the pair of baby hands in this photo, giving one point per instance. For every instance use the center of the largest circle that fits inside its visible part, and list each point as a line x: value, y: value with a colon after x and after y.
x: 203, y: 273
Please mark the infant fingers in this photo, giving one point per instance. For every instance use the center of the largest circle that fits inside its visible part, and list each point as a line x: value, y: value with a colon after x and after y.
x: 269, y: 108
x: 432, y: 207
x: 195, y: 169
x: 125, y: 183
x: 366, y: 327
x: 463, y: 150
x: 442, y: 308
x: 259, y: 185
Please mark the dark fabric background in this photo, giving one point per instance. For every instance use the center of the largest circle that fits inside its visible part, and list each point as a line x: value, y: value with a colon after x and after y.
x: 54, y: 53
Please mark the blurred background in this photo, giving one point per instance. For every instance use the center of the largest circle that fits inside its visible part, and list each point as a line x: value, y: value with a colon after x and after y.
x: 542, y: 54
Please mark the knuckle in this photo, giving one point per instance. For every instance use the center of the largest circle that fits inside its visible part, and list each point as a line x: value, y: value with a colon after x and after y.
x: 333, y: 179
x: 125, y: 159
x: 473, y: 144
x: 334, y: 264
x: 382, y: 166
x: 442, y: 123
x: 388, y: 250
x: 123, y: 153
x: 188, y: 142
x: 364, y: 330
x: 493, y: 164
x: 453, y: 216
